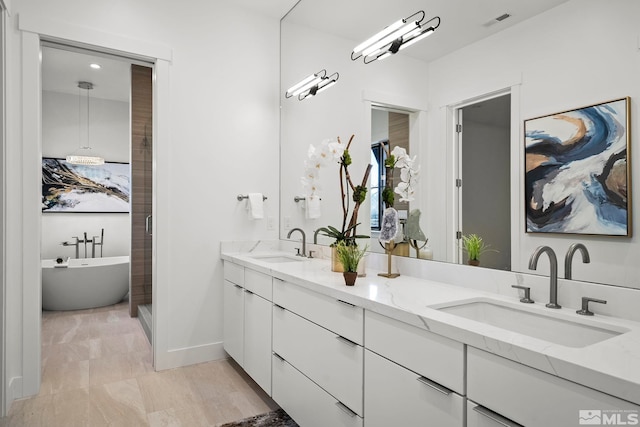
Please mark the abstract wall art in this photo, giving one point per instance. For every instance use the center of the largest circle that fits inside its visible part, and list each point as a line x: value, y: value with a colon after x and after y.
x: 74, y: 188
x: 577, y: 171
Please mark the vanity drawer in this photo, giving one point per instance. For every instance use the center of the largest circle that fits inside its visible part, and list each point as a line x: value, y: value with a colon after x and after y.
x: 305, y: 402
x: 258, y: 283
x: 395, y: 396
x: 433, y: 356
x: 342, y: 318
x: 532, y: 397
x: 331, y: 361
x: 234, y: 273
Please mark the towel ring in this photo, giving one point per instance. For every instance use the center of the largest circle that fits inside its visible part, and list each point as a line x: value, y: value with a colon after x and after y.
x: 242, y: 197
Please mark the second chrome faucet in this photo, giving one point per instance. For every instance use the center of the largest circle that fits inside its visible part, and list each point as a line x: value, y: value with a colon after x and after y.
x: 553, y: 267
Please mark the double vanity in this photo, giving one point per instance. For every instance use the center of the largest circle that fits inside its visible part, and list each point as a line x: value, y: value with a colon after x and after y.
x: 414, y: 351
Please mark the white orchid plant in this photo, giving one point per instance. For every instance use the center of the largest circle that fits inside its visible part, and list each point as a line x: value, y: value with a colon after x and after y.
x: 329, y: 151
x: 409, y: 172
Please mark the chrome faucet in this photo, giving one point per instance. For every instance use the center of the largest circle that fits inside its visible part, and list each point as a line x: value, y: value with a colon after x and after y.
x: 304, y: 241
x: 76, y: 244
x: 569, y: 257
x: 315, y: 236
x: 553, y: 272
x: 94, y: 243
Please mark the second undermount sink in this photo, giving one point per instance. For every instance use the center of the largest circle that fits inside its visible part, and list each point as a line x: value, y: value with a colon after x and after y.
x: 277, y: 258
x: 549, y: 327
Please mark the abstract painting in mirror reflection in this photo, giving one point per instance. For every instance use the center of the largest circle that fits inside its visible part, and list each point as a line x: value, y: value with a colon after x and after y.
x: 577, y: 171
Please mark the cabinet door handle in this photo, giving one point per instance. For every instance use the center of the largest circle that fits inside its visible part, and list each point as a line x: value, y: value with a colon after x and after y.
x: 238, y: 286
x: 346, y: 341
x: 248, y: 291
x: 278, y: 306
x: 277, y: 356
x: 278, y: 279
x: 345, y: 409
x: 346, y: 303
x: 437, y: 387
x: 495, y: 417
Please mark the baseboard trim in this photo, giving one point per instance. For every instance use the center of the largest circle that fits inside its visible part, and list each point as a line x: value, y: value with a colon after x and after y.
x: 189, y: 356
x: 14, y: 392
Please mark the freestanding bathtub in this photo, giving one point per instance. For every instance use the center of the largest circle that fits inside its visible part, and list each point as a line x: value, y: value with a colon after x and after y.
x: 84, y: 283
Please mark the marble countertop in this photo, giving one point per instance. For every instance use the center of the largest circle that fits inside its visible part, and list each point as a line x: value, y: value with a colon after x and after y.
x: 611, y: 365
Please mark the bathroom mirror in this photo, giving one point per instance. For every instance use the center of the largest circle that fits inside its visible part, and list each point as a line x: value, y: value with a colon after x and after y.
x: 469, y: 60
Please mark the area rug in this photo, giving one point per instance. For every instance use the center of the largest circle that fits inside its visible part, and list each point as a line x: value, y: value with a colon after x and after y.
x: 277, y: 418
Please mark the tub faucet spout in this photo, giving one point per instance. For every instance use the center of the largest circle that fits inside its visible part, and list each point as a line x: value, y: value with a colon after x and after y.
x: 553, y: 273
x: 304, y: 240
x: 76, y: 244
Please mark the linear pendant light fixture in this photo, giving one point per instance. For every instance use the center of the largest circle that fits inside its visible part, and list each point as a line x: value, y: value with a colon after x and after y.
x: 83, y: 155
x: 312, y: 85
x: 397, y: 36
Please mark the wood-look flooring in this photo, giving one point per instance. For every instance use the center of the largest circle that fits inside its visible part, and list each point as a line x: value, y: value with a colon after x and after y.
x: 97, y: 371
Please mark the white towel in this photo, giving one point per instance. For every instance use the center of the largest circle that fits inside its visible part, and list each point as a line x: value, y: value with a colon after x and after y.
x: 313, y: 207
x: 256, y: 206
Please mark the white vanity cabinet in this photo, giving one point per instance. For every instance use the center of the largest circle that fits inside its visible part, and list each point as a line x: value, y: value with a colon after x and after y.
x: 412, y: 376
x: 318, y: 357
x: 534, y: 398
x: 233, y: 328
x: 247, y: 321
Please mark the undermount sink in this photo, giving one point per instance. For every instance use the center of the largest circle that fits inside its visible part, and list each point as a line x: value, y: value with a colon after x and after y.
x: 277, y: 258
x: 537, y: 325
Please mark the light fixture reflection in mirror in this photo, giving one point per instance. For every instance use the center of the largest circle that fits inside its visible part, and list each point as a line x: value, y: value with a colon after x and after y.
x: 312, y: 85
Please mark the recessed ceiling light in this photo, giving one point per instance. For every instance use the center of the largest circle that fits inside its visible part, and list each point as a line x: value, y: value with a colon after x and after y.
x: 95, y: 66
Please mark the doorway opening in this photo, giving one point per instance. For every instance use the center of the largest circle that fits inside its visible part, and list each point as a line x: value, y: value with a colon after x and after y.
x: 483, y: 131
x: 96, y: 214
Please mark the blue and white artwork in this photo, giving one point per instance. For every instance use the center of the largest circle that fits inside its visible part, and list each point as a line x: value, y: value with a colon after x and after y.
x: 76, y: 188
x: 577, y: 174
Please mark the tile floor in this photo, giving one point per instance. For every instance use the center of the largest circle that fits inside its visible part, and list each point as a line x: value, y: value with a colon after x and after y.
x: 96, y: 371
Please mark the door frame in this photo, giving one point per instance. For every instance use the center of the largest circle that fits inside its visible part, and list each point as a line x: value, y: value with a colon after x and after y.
x: 34, y: 30
x: 458, y: 117
x: 454, y: 252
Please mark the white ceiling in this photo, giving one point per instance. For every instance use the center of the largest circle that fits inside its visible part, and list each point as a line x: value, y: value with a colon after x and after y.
x: 463, y: 22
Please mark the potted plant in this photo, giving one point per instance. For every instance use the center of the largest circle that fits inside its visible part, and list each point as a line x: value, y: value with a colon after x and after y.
x: 474, y: 246
x: 338, y: 238
x: 350, y: 255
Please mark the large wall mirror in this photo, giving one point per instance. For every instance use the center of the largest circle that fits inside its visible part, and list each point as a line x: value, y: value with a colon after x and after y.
x: 486, y: 74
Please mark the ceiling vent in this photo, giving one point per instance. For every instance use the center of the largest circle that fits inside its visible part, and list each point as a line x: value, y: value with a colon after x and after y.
x: 497, y: 19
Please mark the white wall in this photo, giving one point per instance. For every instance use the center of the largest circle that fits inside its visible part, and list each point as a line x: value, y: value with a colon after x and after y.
x: 580, y: 53
x: 109, y: 137
x: 222, y: 115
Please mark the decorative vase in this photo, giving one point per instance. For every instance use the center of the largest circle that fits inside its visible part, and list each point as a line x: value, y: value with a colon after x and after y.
x: 474, y: 262
x: 336, y: 265
x: 350, y: 277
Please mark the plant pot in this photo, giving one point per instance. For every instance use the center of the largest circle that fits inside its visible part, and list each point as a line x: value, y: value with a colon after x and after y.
x: 350, y: 277
x: 474, y: 262
x: 336, y: 265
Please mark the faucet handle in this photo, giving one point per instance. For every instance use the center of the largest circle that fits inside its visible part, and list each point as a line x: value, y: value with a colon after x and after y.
x: 298, y: 252
x: 585, y: 305
x: 527, y: 294
x: 311, y: 254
